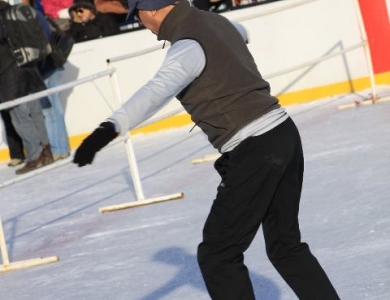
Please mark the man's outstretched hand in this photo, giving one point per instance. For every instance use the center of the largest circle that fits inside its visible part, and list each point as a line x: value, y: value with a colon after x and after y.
x: 102, y: 135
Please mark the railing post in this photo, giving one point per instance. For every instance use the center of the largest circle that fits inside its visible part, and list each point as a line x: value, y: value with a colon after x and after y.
x: 8, y: 266
x: 3, y: 246
x: 129, y: 144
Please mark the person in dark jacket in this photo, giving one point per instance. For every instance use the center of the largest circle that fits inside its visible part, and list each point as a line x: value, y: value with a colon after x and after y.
x: 14, y: 142
x: 87, y: 23
x: 261, y: 165
x: 27, y: 118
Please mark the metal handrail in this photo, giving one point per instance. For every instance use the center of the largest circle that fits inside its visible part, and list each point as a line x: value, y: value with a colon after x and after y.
x: 50, y: 91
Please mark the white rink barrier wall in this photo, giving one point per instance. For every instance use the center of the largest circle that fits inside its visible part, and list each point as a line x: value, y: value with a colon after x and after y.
x: 283, y: 35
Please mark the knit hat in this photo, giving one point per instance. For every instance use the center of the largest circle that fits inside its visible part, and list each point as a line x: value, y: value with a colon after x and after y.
x: 134, y: 5
x: 82, y: 4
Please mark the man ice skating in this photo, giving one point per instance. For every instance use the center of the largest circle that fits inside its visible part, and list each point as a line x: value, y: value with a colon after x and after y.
x: 212, y: 73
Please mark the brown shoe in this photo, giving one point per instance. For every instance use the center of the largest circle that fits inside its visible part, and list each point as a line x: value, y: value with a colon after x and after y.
x: 47, y: 155
x: 31, y: 165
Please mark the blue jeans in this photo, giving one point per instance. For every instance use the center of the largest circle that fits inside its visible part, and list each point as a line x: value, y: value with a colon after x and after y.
x: 55, y: 117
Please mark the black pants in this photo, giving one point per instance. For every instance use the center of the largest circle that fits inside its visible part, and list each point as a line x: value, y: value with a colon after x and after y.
x: 261, y: 185
x: 15, y: 144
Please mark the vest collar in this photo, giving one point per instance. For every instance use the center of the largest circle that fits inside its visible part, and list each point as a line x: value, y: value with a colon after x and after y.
x: 174, y: 18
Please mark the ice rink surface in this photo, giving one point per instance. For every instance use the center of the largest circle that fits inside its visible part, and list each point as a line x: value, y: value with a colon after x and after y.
x: 149, y: 252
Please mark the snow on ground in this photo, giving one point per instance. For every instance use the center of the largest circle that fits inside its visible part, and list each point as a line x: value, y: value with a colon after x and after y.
x: 149, y: 252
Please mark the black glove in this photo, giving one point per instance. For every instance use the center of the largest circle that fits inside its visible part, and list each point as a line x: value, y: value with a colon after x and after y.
x: 102, y: 135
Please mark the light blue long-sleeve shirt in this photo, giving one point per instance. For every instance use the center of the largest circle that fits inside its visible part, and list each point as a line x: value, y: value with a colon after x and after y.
x: 184, y: 62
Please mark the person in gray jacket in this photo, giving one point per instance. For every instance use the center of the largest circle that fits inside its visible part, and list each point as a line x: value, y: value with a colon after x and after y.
x: 261, y: 165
